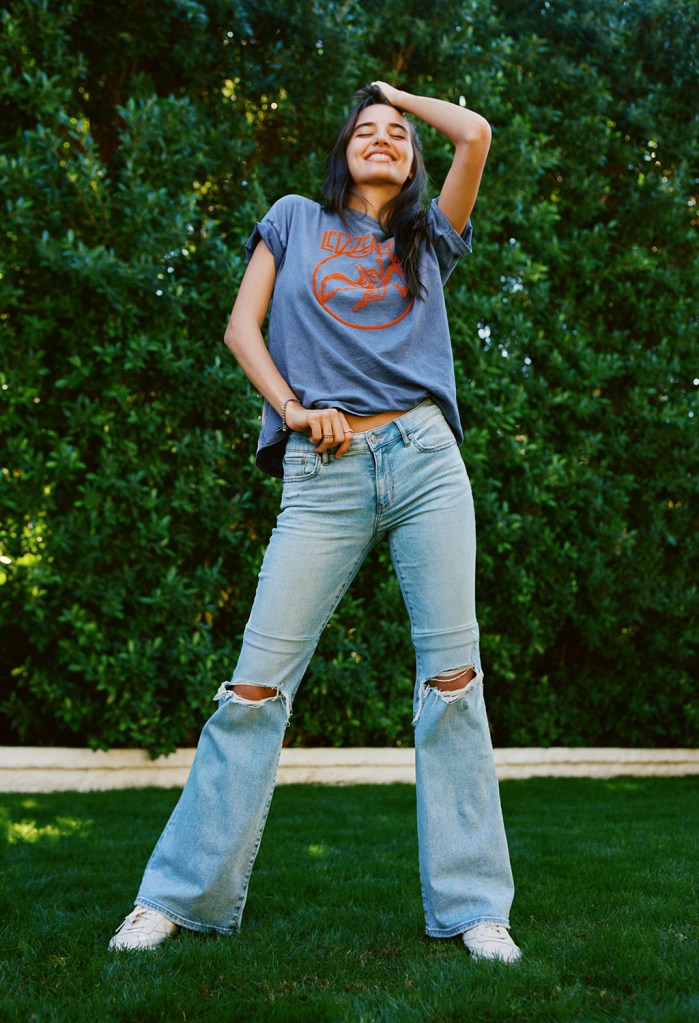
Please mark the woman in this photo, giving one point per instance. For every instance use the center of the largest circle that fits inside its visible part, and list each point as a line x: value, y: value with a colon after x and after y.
x: 360, y: 420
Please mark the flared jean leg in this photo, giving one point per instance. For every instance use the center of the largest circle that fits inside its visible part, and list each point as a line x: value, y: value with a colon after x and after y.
x: 465, y: 869
x: 464, y: 860
x: 199, y: 871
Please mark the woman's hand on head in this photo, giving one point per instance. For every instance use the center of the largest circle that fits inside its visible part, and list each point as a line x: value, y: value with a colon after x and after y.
x: 467, y: 131
x: 326, y: 428
x: 391, y: 94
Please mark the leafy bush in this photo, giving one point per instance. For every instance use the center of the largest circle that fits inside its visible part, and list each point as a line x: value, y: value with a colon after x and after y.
x: 133, y: 520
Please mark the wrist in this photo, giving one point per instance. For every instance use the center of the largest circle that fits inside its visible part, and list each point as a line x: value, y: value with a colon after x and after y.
x: 285, y: 404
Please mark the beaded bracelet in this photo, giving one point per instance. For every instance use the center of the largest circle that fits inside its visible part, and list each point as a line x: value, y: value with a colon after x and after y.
x: 285, y: 428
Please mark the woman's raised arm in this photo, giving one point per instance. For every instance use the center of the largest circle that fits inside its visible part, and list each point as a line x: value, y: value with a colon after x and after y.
x: 470, y: 135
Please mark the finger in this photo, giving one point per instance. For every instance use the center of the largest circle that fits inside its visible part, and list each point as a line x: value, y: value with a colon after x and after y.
x: 345, y: 445
x: 325, y: 437
x: 315, y: 428
x: 348, y: 434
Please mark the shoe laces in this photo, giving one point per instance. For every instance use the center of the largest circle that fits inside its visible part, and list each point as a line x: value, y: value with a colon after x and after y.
x: 140, y: 919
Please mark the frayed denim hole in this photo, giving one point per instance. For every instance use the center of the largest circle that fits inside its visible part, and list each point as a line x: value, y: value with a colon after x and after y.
x: 449, y: 695
x: 226, y: 694
x: 453, y: 675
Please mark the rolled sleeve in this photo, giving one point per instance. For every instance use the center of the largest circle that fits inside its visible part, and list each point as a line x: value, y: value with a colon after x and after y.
x: 266, y: 231
x: 449, y: 245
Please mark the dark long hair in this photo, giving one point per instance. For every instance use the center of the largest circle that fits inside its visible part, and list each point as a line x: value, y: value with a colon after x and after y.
x: 403, y: 217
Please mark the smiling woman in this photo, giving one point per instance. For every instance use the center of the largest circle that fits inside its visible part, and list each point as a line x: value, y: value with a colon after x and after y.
x: 379, y: 156
x: 361, y: 422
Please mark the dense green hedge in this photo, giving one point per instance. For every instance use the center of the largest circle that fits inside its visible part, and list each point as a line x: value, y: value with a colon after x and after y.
x: 140, y: 142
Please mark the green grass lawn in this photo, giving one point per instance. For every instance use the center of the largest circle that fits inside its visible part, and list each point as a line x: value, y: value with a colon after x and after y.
x: 606, y: 912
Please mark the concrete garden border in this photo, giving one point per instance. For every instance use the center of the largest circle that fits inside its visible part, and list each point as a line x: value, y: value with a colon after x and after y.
x: 38, y: 769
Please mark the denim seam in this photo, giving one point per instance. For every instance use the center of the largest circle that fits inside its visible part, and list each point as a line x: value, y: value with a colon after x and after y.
x: 183, y: 921
x: 452, y: 932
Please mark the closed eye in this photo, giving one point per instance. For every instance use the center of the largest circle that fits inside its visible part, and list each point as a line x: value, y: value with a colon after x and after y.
x: 396, y: 131
x: 369, y: 134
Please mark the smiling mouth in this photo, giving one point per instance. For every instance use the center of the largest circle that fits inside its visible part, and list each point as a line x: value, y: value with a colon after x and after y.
x: 380, y: 157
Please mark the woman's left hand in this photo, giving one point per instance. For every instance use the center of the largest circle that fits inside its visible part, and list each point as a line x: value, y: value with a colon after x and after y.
x: 391, y: 94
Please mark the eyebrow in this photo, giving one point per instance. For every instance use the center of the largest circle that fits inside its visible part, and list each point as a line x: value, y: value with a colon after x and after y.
x: 372, y: 124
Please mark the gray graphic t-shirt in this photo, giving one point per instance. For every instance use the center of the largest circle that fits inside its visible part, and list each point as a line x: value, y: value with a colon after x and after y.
x: 343, y: 330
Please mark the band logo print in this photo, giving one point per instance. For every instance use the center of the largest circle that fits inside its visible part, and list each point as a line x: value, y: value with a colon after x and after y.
x: 357, y: 278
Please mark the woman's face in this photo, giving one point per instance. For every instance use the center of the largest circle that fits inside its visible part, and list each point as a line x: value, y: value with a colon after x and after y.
x: 380, y: 150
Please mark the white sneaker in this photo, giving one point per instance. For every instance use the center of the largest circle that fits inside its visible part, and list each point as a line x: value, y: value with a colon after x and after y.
x: 491, y: 941
x: 144, y: 928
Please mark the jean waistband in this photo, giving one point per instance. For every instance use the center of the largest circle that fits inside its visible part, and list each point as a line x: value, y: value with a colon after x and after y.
x: 380, y: 436
x: 401, y: 426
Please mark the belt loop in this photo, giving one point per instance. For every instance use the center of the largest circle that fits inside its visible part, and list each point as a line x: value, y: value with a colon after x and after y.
x: 325, y: 457
x: 403, y: 431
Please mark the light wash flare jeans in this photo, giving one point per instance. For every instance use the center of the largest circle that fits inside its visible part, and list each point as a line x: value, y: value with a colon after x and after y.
x: 405, y: 483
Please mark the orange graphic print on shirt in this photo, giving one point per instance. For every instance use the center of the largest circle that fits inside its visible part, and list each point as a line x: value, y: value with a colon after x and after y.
x: 361, y: 283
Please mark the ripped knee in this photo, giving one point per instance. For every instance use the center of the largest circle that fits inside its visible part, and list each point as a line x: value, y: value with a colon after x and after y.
x: 246, y: 693
x: 450, y: 686
x: 252, y: 693
x: 454, y: 680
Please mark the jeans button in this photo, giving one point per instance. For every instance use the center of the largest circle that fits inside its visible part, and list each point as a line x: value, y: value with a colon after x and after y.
x: 372, y: 438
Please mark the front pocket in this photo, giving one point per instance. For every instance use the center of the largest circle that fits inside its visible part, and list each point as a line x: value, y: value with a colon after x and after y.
x: 434, y: 434
x: 299, y: 467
